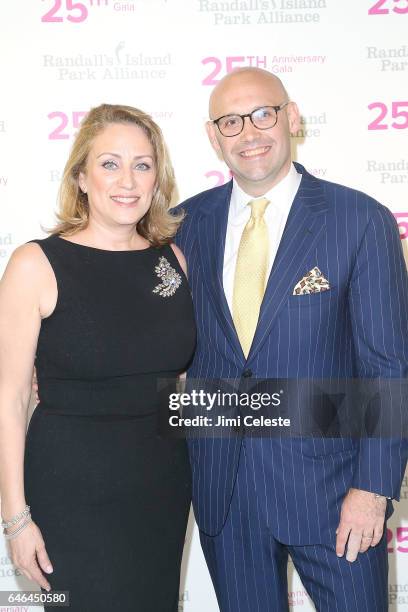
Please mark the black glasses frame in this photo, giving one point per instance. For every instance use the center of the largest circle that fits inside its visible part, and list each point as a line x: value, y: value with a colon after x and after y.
x: 275, y: 108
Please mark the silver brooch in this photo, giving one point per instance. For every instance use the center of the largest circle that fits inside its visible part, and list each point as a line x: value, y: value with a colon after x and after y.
x: 171, y: 280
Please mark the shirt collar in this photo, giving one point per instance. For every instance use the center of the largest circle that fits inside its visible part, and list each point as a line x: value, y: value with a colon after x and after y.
x: 281, y: 195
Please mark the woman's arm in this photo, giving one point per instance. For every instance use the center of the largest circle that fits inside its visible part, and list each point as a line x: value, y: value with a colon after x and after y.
x: 22, y: 290
x: 183, y: 264
x: 180, y: 256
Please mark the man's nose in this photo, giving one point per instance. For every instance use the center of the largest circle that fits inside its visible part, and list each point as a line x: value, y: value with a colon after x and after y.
x: 249, y: 131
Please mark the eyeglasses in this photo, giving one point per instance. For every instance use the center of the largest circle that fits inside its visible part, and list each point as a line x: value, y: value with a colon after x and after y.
x: 263, y: 118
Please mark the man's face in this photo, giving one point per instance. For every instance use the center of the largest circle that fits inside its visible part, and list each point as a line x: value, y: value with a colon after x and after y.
x: 259, y: 159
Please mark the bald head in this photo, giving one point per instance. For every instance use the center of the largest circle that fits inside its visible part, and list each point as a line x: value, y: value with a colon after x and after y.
x: 240, y: 81
x: 258, y: 157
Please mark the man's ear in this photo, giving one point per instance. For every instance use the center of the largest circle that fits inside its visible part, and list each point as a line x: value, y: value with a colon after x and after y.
x: 211, y: 132
x: 293, y: 115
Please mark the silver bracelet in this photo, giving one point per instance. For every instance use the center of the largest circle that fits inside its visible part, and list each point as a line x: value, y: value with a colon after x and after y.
x: 10, y: 536
x: 16, y: 518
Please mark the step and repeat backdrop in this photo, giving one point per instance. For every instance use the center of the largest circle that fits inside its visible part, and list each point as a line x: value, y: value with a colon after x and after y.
x: 344, y: 63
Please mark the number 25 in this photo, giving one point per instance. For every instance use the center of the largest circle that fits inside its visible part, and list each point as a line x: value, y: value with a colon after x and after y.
x: 397, y: 112
x: 377, y: 10
x: 51, y: 16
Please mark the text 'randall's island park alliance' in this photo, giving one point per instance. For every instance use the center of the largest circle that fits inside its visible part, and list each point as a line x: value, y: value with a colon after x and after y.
x: 258, y: 12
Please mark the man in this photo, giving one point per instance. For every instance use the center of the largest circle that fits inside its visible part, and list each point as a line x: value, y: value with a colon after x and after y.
x: 296, y: 278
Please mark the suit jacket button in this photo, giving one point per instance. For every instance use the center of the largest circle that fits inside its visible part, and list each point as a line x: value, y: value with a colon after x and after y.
x: 247, y: 373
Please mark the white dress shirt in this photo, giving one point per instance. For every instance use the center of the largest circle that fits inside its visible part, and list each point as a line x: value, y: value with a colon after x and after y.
x: 281, y: 198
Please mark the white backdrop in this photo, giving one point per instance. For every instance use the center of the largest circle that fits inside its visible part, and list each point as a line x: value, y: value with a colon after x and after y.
x: 344, y: 62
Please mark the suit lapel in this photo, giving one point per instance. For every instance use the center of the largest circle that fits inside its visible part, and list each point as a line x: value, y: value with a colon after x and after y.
x: 306, y: 225
x: 211, y: 244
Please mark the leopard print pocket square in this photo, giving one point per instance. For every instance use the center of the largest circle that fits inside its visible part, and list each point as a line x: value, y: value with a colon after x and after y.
x: 313, y: 282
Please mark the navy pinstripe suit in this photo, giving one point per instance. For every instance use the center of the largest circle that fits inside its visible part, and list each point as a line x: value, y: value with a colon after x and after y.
x: 356, y: 329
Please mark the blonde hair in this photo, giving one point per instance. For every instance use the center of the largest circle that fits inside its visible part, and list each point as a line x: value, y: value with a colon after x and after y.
x: 158, y: 225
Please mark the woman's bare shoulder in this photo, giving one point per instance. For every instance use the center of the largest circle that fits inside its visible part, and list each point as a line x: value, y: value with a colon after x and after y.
x: 29, y: 261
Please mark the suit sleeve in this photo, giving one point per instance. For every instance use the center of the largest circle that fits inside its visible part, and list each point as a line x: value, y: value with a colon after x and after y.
x: 378, y: 301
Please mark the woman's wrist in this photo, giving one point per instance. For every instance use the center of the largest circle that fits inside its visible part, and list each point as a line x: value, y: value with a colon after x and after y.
x: 10, y: 510
x: 12, y: 532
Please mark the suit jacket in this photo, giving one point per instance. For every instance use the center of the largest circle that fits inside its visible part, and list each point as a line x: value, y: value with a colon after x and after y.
x: 357, y: 329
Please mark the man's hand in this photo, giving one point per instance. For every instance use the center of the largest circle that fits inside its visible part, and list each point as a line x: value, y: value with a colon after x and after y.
x: 361, y: 523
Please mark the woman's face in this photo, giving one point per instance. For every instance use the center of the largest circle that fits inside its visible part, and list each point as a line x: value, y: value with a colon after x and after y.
x: 120, y: 175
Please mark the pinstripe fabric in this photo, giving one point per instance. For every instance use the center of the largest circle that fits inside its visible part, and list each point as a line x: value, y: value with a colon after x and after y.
x: 248, y: 565
x: 356, y: 329
x: 335, y: 585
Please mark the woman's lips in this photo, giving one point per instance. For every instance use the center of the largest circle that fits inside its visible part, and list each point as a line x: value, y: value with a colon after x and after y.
x: 125, y: 200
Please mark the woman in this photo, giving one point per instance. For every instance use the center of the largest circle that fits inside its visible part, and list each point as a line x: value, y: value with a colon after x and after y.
x: 103, y: 307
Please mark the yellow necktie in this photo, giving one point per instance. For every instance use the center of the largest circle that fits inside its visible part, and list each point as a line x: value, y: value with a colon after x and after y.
x: 250, y: 274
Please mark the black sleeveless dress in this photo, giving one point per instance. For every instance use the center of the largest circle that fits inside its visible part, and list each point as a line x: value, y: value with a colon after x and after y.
x: 109, y: 492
